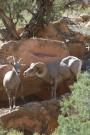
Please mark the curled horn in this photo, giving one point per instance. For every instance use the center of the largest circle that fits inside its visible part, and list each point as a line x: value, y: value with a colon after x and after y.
x: 41, y: 69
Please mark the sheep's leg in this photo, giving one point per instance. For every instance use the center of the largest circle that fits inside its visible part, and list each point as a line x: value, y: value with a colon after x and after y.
x: 53, y: 92
x: 75, y: 78
x: 10, y: 99
x: 14, y: 99
x: 22, y: 97
x: 54, y: 89
x: 14, y: 102
x: 10, y: 103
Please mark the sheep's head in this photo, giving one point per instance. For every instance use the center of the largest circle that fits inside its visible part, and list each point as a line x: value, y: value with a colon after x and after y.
x: 16, y: 63
x: 38, y: 69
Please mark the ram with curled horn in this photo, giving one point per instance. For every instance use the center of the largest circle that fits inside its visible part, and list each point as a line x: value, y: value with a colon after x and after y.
x: 56, y: 72
x: 39, y: 69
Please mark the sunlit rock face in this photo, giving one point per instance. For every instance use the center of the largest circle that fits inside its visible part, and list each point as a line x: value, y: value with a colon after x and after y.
x: 67, y: 31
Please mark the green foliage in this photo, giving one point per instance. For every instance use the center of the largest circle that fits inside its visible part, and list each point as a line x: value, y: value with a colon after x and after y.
x: 20, y: 11
x: 72, y: 125
x: 81, y: 96
x: 14, y: 132
x: 2, y: 131
x: 75, y: 110
x: 10, y: 132
x: 36, y: 133
x: 15, y: 8
x: 57, y: 10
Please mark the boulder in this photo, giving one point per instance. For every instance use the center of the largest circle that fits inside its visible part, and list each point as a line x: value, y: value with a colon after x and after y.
x: 76, y: 49
x: 82, y: 18
x: 49, y: 31
x: 78, y: 37
x: 57, y: 30
x: 33, y: 117
x: 85, y: 17
x: 78, y: 19
x: 65, y: 30
x: 32, y: 50
x: 35, y: 49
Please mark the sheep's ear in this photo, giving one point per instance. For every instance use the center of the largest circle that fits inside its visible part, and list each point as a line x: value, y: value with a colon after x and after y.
x: 11, y: 59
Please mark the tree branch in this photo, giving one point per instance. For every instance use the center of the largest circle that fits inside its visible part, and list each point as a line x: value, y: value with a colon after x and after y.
x: 38, y: 19
x: 10, y: 26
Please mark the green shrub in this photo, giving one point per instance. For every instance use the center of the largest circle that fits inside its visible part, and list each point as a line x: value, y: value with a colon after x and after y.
x: 79, y: 101
x: 75, y: 110
x: 72, y: 125
x: 14, y: 132
x: 36, y: 133
x: 57, y: 10
x: 81, y: 96
x: 10, y: 132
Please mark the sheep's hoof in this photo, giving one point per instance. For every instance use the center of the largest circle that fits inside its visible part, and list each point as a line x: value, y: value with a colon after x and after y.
x: 14, y: 107
x: 10, y: 109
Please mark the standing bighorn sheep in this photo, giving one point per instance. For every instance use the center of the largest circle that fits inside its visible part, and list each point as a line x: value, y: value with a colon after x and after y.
x: 55, y: 72
x: 11, y: 81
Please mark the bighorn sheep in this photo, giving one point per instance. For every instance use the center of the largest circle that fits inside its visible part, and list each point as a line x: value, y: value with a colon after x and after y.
x: 11, y: 81
x: 55, y: 72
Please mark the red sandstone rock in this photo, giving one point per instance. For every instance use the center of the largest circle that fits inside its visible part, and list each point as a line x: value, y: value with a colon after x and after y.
x: 33, y: 117
x: 76, y: 49
x: 56, y: 30
x: 60, y: 30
